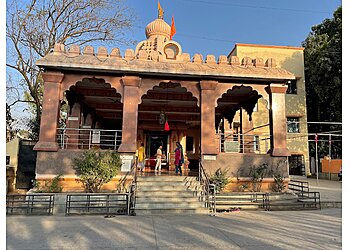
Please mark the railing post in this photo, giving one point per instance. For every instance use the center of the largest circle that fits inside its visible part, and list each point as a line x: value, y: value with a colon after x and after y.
x: 90, y: 139
x: 242, y: 143
x: 115, y: 140
x: 107, y: 203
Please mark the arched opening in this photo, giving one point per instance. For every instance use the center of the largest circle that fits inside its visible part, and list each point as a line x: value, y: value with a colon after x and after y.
x: 94, y: 116
x: 169, y: 104
x: 235, y: 126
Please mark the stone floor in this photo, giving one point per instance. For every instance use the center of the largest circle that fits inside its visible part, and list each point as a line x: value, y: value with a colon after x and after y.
x: 316, y: 229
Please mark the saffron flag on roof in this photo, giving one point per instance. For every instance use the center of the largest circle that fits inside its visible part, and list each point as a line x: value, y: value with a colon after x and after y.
x: 160, y: 11
x: 173, y: 29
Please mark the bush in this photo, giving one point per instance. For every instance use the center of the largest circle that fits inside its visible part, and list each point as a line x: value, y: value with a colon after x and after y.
x: 278, y: 185
x: 219, y: 179
x: 51, y: 186
x: 96, y: 168
x: 257, y: 175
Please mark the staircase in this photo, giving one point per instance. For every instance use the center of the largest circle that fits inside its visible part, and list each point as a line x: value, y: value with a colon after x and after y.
x: 241, y: 200
x: 168, y: 195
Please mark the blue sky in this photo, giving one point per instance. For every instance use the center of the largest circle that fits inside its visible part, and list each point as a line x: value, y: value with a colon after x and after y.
x: 213, y: 27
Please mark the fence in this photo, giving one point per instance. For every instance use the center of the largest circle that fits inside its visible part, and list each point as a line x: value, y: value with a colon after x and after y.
x: 70, y: 138
x: 37, y: 204
x: 244, y: 143
x: 108, y: 204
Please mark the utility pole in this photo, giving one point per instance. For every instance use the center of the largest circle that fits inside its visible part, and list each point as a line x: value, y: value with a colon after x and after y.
x: 330, y: 156
x: 316, y: 139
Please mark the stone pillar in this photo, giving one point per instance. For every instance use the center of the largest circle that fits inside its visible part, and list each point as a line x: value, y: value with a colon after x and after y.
x: 208, y: 99
x: 131, y: 100
x: 73, y: 123
x: 50, y: 112
x: 278, y: 120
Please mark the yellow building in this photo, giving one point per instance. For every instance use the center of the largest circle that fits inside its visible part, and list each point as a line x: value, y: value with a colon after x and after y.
x: 291, y: 59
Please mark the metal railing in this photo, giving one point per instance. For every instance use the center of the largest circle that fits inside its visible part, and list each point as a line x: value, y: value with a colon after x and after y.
x: 37, y: 204
x: 311, y: 199
x: 116, y: 204
x: 208, y: 190
x: 244, y: 143
x: 298, y: 186
x: 133, y: 189
x: 88, y: 138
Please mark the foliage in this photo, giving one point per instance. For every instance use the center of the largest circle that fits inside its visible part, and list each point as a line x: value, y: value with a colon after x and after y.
x: 278, y: 177
x: 220, y: 179
x: 51, y: 186
x: 278, y: 185
x: 96, y: 168
x: 323, y: 75
x: 257, y: 175
x: 33, y: 28
x: 10, y: 133
x: 243, y: 187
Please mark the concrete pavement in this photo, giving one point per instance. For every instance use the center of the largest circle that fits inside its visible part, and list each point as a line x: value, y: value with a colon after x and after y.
x: 316, y: 229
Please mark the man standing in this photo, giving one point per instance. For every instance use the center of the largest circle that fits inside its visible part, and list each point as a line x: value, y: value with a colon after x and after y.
x: 159, y: 159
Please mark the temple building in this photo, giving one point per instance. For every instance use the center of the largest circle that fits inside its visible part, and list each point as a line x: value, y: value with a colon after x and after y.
x: 233, y: 112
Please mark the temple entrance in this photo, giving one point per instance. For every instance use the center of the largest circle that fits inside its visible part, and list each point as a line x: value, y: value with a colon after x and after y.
x: 168, y: 113
x: 153, y: 141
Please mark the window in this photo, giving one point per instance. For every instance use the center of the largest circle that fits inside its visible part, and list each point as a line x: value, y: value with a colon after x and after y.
x: 256, y: 142
x: 293, y: 125
x: 292, y: 87
x: 296, y: 165
x: 189, y: 143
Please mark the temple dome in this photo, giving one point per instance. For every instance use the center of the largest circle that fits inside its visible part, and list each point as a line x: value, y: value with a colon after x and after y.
x: 158, y: 28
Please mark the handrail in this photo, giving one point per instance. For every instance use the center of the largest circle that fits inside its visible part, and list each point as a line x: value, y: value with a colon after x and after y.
x: 207, y: 189
x: 83, y: 138
x: 258, y: 143
x: 132, y: 189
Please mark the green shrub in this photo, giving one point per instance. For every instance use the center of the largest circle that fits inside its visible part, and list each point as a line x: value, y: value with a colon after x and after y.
x: 257, y: 175
x: 51, y: 186
x: 278, y: 185
x: 95, y: 168
x: 219, y: 179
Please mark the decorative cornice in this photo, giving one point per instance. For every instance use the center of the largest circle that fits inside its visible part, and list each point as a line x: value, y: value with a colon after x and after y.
x: 231, y: 67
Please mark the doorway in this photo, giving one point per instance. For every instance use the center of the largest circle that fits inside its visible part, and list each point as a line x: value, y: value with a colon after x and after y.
x: 153, y: 141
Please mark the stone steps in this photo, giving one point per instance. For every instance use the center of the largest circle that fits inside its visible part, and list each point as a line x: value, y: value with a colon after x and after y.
x: 160, y: 193
x: 171, y: 211
x: 168, y: 195
x: 165, y: 199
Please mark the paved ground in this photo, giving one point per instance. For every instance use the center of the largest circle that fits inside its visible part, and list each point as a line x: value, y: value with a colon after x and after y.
x: 317, y: 229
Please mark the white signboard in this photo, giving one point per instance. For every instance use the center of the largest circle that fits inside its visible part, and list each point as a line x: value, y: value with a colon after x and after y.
x: 96, y: 136
x: 126, y: 162
x: 209, y: 157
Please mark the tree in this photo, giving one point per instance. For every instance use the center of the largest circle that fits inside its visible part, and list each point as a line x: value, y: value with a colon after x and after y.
x: 10, y: 133
x: 323, y: 76
x: 33, y: 29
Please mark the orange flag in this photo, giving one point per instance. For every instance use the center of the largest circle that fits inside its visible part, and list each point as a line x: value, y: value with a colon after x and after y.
x: 173, y: 29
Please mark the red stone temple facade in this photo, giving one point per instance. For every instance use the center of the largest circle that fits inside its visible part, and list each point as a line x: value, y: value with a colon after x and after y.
x: 116, y: 101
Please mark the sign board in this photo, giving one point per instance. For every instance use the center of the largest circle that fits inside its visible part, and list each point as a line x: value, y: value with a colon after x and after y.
x: 209, y: 157
x: 73, y: 118
x: 126, y: 162
x: 96, y: 134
